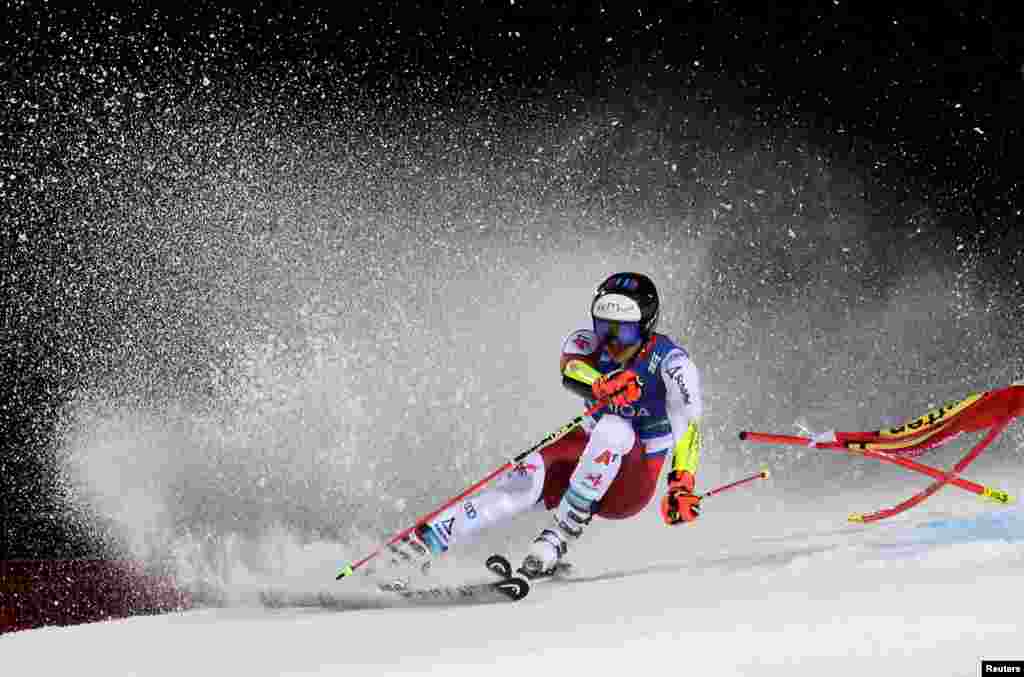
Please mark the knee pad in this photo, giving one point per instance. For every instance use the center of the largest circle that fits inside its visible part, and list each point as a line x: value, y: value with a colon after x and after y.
x: 525, y: 481
x: 612, y: 432
x: 611, y: 440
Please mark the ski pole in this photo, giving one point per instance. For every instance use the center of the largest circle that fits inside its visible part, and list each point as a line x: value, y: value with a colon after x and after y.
x: 349, y: 569
x: 764, y: 474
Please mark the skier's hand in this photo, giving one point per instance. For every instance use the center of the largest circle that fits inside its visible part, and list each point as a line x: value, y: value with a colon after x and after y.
x: 620, y: 387
x: 680, y: 504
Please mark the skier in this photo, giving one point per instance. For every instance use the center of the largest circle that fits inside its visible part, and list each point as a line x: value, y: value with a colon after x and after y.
x: 611, y: 468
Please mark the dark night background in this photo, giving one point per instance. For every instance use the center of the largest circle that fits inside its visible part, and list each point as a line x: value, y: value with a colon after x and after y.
x: 926, y: 107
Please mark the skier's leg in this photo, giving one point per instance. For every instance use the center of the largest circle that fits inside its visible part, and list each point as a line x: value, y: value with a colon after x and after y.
x: 560, y: 460
x: 635, y: 485
x: 516, y: 491
x: 598, y: 466
x: 540, y: 479
x: 601, y: 462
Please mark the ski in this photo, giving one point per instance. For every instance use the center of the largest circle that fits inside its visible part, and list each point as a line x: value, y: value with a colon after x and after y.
x: 501, y: 567
x: 511, y: 588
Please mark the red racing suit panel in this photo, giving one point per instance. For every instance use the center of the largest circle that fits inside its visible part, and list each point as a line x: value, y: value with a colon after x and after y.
x: 630, y: 491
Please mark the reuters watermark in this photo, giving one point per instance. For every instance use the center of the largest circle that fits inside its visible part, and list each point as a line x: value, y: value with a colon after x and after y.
x: 1002, y: 667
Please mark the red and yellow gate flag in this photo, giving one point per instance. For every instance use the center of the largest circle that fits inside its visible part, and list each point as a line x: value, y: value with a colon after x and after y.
x: 992, y: 410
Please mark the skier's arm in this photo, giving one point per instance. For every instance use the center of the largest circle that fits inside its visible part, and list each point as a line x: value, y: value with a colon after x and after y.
x: 684, y: 407
x: 577, y: 363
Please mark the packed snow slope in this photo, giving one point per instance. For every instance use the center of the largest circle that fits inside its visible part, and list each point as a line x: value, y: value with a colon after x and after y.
x: 283, y: 326
x: 759, y: 586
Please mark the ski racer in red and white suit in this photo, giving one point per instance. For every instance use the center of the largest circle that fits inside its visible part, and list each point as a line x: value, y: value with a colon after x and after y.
x: 610, y: 468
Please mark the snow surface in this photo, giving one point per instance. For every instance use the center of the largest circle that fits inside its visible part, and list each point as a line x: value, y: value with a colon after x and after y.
x: 786, y: 589
x: 319, y: 326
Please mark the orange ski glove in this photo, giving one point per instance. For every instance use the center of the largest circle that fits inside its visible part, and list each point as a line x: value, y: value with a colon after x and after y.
x: 680, y: 504
x: 620, y: 387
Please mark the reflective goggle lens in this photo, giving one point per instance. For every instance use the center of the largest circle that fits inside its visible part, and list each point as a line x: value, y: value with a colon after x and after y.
x: 625, y: 333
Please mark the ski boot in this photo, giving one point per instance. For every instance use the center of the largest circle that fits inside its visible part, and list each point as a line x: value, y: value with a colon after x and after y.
x: 545, y: 553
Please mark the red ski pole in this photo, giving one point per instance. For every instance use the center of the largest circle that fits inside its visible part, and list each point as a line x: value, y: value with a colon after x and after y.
x: 764, y: 474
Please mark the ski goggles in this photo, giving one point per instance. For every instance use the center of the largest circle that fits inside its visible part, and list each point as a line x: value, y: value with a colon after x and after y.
x: 625, y: 333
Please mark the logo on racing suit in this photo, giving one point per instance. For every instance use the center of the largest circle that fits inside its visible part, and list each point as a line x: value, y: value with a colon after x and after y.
x: 581, y: 342
x: 675, y: 373
x: 628, y: 411
x: 524, y: 469
x: 594, y: 480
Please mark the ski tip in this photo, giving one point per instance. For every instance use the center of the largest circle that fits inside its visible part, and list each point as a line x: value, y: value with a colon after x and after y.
x: 344, y: 572
x: 856, y: 517
x: 499, y: 565
x: 515, y: 588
